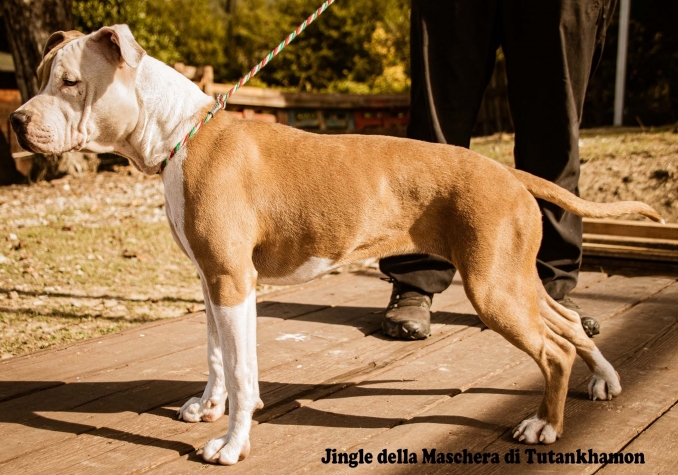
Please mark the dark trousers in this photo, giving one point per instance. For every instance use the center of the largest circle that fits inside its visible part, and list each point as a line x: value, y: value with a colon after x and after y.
x: 551, y: 48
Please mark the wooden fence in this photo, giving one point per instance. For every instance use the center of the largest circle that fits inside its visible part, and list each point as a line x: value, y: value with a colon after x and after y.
x: 386, y: 114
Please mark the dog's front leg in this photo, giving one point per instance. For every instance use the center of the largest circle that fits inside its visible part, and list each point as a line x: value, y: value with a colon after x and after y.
x: 212, y: 404
x: 236, y: 327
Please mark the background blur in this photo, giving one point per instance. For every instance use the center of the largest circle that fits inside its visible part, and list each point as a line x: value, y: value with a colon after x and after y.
x: 363, y: 47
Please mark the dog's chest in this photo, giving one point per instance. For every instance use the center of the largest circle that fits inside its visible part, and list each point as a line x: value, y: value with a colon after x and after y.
x: 285, y: 273
x: 175, y: 203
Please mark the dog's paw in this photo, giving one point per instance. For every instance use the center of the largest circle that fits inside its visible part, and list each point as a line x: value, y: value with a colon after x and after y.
x: 224, y: 451
x: 196, y: 410
x: 604, y: 387
x: 534, y: 430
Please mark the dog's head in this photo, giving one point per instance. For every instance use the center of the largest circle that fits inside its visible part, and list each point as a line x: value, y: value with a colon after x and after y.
x: 87, y: 99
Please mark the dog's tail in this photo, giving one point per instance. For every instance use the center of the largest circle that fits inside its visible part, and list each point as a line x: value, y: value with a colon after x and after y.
x: 553, y: 193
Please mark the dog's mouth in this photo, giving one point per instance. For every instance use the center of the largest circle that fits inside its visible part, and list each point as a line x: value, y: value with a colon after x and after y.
x: 25, y: 144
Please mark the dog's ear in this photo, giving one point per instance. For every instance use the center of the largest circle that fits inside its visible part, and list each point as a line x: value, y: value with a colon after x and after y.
x: 55, y: 42
x: 59, y: 38
x: 126, y: 47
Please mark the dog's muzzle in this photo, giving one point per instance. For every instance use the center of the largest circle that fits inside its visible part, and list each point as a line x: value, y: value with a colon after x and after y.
x: 19, y: 121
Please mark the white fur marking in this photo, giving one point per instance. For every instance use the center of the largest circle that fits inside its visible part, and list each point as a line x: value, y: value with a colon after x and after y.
x: 237, y: 331
x: 312, y: 268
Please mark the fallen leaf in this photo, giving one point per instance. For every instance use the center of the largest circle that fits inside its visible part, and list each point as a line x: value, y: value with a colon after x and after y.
x: 195, y: 308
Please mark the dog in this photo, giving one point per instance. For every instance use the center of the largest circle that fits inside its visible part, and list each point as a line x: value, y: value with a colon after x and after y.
x: 252, y: 202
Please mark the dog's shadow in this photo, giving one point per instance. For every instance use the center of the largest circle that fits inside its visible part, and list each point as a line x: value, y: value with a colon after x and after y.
x: 142, y: 396
x: 32, y: 404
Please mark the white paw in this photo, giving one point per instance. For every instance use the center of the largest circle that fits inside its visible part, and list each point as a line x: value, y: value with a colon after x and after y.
x: 196, y: 410
x: 224, y: 451
x: 604, y: 387
x: 534, y: 430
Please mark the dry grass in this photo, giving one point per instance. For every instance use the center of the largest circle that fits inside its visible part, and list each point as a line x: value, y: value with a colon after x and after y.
x: 87, y: 257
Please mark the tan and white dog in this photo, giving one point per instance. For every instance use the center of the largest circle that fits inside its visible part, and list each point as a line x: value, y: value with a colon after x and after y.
x: 249, y: 201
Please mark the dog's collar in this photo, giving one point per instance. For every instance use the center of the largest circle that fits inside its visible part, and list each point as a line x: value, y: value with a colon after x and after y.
x: 218, y: 105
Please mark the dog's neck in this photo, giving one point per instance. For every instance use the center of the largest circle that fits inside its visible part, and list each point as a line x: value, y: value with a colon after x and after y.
x: 169, y: 106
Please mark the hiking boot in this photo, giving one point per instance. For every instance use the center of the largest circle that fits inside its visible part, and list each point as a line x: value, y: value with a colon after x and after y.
x: 590, y: 324
x: 408, y: 315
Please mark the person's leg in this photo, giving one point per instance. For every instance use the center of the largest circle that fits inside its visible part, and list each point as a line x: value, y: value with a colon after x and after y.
x: 549, y: 49
x: 453, y: 47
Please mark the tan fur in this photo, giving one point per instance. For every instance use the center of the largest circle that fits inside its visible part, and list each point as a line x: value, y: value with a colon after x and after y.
x: 266, y: 198
x: 553, y: 193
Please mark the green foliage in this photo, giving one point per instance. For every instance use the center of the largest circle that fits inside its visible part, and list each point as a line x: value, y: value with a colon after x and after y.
x: 192, y: 32
x: 363, y: 47
x: 353, y: 47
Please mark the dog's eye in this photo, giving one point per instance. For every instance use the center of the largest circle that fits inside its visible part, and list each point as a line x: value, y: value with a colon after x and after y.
x: 68, y: 82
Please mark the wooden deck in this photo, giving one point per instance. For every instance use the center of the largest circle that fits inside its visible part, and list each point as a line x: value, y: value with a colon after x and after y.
x: 330, y: 380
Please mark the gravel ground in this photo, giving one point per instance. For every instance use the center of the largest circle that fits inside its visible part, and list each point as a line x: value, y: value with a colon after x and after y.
x: 85, y: 257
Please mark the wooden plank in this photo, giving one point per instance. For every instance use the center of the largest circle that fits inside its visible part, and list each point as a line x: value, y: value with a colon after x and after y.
x: 639, y: 229
x: 320, y: 374
x: 617, y: 293
x: 630, y: 252
x: 638, y: 242
x: 258, y: 97
x: 659, y: 444
x: 297, y: 451
x: 327, y: 327
x: 42, y: 371
x: 631, y: 244
x: 107, y: 353
x: 479, y: 420
x: 587, y: 279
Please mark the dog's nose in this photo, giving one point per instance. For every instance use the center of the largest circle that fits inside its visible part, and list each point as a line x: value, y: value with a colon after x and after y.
x: 19, y: 120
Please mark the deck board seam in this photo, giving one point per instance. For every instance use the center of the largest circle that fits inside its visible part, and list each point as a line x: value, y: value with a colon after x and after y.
x: 617, y: 362
x: 394, y: 364
x: 166, y: 321
x: 645, y: 429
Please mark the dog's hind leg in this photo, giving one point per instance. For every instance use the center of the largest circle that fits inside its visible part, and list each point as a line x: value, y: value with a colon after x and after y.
x: 212, y: 404
x: 512, y: 311
x: 604, y: 384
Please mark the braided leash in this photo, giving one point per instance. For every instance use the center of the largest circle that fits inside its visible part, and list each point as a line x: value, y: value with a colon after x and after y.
x: 222, y: 98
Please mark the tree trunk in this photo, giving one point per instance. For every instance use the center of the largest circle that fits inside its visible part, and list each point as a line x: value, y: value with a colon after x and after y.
x: 8, y: 171
x: 29, y: 23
